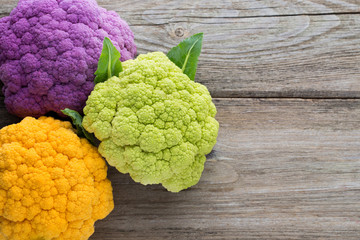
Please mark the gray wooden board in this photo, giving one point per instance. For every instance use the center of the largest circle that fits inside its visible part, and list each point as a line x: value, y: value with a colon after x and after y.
x: 248, y: 8
x: 305, y: 49
x: 282, y: 169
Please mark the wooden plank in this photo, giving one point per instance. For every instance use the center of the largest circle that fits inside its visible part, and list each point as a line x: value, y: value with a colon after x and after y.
x: 293, y: 56
x: 282, y: 169
x: 244, y: 7
x: 257, y: 48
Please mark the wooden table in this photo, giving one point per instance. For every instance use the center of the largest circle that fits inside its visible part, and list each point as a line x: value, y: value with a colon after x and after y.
x: 285, y: 77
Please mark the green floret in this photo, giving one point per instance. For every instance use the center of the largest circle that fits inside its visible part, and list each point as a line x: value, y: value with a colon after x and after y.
x: 154, y: 122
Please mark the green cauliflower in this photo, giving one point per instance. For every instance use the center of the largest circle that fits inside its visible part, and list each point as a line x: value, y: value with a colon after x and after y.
x: 153, y: 122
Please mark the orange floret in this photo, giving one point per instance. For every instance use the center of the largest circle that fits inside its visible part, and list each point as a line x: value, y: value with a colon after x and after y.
x: 53, y: 185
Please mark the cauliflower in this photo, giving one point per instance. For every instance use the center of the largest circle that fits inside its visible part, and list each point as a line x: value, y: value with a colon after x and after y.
x: 53, y: 184
x: 49, y: 51
x: 153, y: 122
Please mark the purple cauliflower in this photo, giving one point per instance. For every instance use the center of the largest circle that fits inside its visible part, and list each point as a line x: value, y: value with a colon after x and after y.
x: 49, y: 51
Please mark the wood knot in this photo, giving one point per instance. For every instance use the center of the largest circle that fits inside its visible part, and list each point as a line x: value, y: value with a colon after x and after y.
x: 179, y: 32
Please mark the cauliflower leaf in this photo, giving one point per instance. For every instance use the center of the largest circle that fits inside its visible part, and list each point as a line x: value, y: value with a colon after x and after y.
x: 186, y: 54
x: 77, y: 122
x: 109, y: 62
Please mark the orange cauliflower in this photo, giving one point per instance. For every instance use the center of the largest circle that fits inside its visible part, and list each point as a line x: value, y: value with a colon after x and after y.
x: 53, y: 185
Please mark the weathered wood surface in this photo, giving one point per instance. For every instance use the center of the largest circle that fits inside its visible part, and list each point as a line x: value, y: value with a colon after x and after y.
x: 273, y: 48
x: 283, y: 168
x: 307, y: 49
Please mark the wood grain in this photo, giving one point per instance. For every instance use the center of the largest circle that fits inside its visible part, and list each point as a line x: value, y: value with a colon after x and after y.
x: 295, y: 54
x: 304, y: 49
x: 282, y: 169
x: 246, y: 8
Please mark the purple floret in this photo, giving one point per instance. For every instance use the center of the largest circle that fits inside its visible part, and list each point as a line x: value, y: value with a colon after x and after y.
x: 49, y: 51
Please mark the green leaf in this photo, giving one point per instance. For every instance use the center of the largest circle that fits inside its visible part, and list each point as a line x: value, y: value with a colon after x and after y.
x: 186, y: 54
x: 109, y: 64
x: 77, y: 122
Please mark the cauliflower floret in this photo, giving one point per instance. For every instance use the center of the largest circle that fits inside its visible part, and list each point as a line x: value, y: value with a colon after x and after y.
x: 49, y: 51
x: 154, y: 122
x: 53, y: 184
